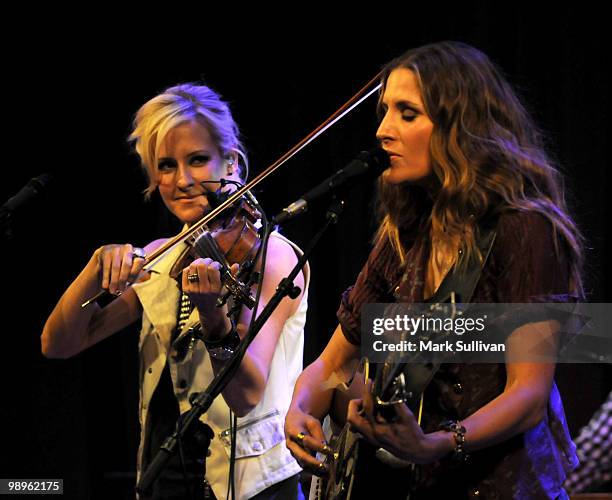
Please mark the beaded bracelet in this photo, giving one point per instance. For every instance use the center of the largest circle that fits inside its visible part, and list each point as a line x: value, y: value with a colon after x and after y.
x: 223, y: 348
x: 459, y: 454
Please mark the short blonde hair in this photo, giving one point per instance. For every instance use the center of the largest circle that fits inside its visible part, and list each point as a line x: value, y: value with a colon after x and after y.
x: 177, y: 105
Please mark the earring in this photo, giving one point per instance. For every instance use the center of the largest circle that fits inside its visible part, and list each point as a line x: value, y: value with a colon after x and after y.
x: 230, y: 163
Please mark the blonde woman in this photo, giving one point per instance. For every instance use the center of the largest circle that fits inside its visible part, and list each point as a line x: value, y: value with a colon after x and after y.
x: 187, y: 141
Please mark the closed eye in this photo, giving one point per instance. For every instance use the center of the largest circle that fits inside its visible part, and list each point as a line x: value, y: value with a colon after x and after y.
x: 408, y: 112
x: 408, y: 115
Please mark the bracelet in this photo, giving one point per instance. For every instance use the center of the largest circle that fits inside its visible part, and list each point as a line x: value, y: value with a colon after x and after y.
x: 454, y: 426
x: 221, y: 349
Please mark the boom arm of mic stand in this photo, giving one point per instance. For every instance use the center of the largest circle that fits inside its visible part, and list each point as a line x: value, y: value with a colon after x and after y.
x: 203, y: 400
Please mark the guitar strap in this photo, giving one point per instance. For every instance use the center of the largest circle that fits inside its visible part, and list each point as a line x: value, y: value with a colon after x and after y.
x: 461, y: 281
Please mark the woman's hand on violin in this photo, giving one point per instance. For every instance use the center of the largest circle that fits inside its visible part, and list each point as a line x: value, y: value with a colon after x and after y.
x: 118, y: 266
x: 403, y: 437
x: 202, y: 283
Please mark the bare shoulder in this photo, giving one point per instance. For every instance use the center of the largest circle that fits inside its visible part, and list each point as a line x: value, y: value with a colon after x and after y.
x: 281, y: 258
x: 280, y: 261
x: 279, y: 247
x: 284, y: 253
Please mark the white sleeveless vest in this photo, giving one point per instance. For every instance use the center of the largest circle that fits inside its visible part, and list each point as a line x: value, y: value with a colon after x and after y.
x: 262, y: 458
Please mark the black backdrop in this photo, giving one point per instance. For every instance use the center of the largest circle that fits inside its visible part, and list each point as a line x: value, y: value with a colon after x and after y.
x: 73, y: 95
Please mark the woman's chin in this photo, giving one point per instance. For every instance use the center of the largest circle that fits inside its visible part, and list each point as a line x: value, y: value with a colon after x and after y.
x: 190, y: 216
x: 405, y: 175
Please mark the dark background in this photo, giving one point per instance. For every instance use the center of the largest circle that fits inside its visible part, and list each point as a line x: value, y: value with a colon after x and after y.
x: 72, y: 95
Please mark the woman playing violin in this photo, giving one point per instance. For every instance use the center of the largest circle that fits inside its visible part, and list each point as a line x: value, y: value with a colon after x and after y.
x: 187, y: 141
x: 464, y: 155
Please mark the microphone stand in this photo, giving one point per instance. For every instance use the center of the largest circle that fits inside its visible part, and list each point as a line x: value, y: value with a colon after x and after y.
x: 201, y: 402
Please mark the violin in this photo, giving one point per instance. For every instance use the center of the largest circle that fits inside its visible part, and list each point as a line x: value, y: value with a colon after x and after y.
x: 231, y: 239
x: 234, y: 239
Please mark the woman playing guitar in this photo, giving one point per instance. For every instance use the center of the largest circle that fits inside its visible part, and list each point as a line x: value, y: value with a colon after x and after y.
x: 464, y: 155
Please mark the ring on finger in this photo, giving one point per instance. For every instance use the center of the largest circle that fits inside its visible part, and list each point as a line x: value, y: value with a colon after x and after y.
x: 299, y: 438
x: 193, y: 277
x: 138, y: 253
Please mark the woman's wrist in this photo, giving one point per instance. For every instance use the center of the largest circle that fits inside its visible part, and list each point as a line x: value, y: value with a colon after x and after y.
x: 95, y: 265
x: 440, y: 444
x: 300, y: 402
x: 214, y: 330
x: 454, y: 429
x: 223, y: 348
x: 90, y: 277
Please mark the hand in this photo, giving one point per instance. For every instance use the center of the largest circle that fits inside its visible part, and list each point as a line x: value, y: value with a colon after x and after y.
x: 304, y: 437
x: 201, y: 282
x: 119, y: 265
x: 404, y: 438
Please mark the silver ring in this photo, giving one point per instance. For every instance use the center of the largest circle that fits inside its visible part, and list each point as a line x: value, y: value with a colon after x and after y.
x: 193, y: 278
x: 138, y: 253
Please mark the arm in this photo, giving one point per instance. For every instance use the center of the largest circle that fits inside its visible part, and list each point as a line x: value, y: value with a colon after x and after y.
x: 312, y: 397
x: 523, y: 403
x: 247, y: 386
x: 71, y: 329
x: 313, y: 391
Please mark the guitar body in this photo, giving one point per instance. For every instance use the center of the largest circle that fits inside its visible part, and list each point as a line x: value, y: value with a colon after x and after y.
x: 355, y: 463
x: 344, y: 443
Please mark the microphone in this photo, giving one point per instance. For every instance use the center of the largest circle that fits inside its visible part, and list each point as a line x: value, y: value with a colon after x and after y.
x: 29, y: 192
x: 372, y: 162
x: 215, y: 198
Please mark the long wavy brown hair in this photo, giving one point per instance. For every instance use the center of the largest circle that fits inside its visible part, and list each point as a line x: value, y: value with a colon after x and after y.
x: 486, y: 152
